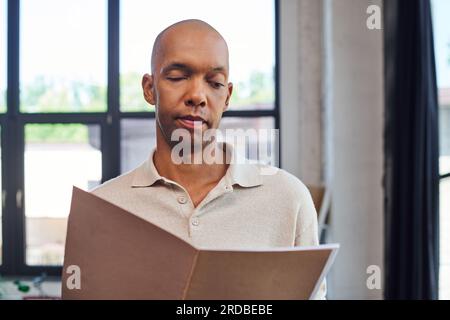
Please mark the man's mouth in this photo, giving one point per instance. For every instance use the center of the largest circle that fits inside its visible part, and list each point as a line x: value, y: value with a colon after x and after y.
x: 190, y: 122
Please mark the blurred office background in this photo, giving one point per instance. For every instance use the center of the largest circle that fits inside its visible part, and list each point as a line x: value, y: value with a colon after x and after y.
x: 339, y: 91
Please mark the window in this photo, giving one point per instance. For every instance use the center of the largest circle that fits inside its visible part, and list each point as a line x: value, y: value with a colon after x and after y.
x: 254, y: 140
x: 62, y: 155
x: 138, y: 138
x: 441, y: 9
x: 252, y: 49
x: 63, y: 55
x: 75, y: 113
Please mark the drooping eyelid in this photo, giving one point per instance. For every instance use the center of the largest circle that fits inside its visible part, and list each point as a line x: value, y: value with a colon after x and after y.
x: 176, y: 74
x: 217, y: 77
x: 178, y: 68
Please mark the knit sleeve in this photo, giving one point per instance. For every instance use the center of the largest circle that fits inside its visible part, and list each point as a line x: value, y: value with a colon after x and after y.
x: 307, y: 231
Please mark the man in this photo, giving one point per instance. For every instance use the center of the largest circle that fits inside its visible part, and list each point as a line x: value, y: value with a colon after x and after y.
x: 219, y: 205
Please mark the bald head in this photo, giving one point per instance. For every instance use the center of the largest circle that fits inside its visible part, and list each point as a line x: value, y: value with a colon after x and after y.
x: 194, y: 33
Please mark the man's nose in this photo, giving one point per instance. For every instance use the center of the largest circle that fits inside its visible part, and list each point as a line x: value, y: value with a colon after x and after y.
x: 196, y: 95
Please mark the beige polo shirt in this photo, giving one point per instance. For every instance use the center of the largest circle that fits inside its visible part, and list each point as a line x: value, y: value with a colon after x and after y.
x: 248, y: 208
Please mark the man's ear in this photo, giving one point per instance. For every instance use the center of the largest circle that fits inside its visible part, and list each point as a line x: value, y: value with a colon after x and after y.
x: 148, y: 88
x: 230, y: 91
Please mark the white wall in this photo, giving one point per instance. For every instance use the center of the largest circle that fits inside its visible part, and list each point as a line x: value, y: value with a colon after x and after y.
x: 357, y: 147
x: 300, y: 88
x: 332, y: 97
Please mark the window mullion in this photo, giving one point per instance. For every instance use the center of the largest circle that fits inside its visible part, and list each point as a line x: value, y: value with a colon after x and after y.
x: 12, y: 145
x: 111, y: 129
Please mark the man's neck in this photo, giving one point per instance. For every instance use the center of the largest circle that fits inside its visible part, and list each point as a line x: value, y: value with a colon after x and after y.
x: 185, y: 174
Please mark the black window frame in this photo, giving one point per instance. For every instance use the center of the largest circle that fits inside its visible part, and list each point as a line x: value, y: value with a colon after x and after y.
x: 13, y: 143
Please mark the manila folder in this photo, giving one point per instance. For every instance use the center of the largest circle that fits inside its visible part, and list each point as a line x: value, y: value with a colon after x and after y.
x: 112, y: 254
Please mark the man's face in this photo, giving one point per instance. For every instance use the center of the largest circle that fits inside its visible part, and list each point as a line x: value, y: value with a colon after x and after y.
x: 189, y: 81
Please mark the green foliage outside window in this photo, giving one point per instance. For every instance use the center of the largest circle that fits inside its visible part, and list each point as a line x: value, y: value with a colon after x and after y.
x: 56, y: 133
x: 44, y: 95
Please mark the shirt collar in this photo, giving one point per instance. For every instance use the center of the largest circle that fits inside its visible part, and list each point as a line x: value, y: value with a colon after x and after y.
x: 240, y: 171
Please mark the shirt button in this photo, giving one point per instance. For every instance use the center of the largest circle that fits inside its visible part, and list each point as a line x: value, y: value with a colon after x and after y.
x: 195, y: 222
x: 182, y: 199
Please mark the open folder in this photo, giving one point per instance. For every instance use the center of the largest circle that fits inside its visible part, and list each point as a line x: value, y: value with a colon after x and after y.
x: 117, y: 255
